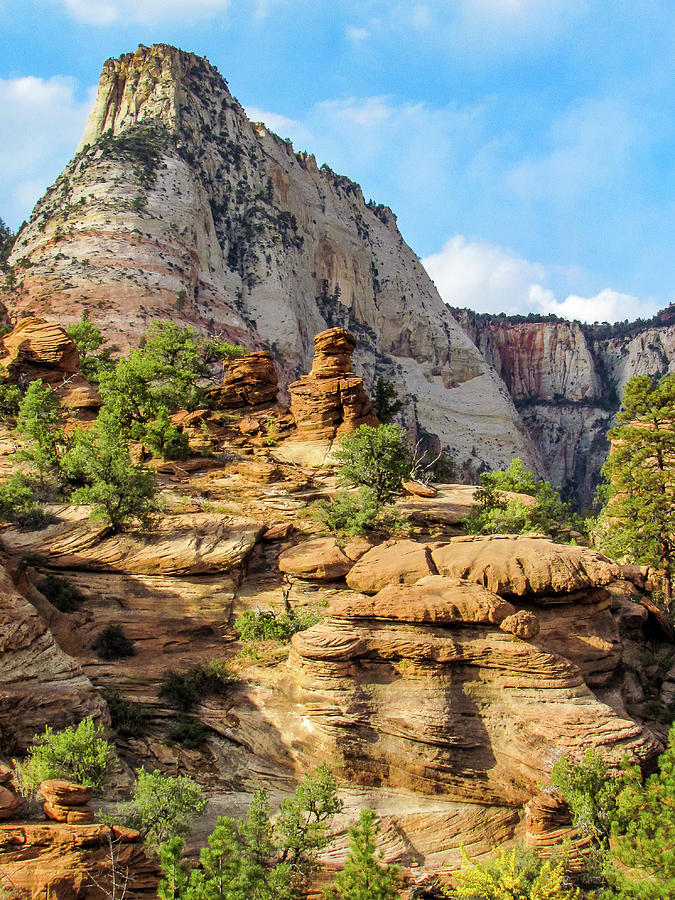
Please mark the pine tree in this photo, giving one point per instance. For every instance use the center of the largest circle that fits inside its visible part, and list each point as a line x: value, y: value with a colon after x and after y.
x: 638, y: 519
x: 365, y: 876
x: 644, y: 841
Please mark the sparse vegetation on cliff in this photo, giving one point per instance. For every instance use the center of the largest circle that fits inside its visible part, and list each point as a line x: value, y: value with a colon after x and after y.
x: 79, y: 753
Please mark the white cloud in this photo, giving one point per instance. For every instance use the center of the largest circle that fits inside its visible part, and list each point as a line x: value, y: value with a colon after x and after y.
x: 106, y: 12
x: 282, y: 125
x: 356, y: 34
x: 41, y: 121
x: 488, y: 278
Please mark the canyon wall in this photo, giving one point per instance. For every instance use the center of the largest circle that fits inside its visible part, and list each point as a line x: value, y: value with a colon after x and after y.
x: 177, y: 206
x: 566, y: 380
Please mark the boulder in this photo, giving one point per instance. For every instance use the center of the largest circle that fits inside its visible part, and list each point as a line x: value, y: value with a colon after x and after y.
x: 523, y: 624
x: 433, y: 599
x: 65, y: 793
x: 524, y: 566
x: 9, y: 803
x: 331, y: 400
x: 250, y: 380
x: 279, y: 532
x: 545, y: 811
x: 316, y: 560
x: 394, y: 562
x: 418, y: 489
x: 35, y: 345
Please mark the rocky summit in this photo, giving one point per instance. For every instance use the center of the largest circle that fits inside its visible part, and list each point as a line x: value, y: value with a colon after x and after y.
x: 176, y: 205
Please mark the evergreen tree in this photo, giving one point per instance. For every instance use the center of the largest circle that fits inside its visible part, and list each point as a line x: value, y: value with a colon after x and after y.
x: 644, y: 832
x: 365, y: 876
x: 386, y: 401
x: 88, y: 340
x: 638, y: 519
x: 7, y: 239
x: 99, y: 462
x: 377, y: 458
x: 39, y: 422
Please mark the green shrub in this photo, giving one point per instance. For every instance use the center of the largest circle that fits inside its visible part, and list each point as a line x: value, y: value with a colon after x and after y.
x: 266, y: 625
x: 163, y: 806
x: 88, y: 340
x: 78, y: 753
x: 188, y: 732
x: 18, y: 503
x: 166, y: 439
x: 365, y: 873
x: 129, y: 719
x: 184, y: 690
x: 386, y: 401
x: 494, y: 513
x: 352, y: 513
x: 591, y: 791
x: 62, y: 594
x: 375, y: 458
x: 10, y: 397
x: 112, y: 643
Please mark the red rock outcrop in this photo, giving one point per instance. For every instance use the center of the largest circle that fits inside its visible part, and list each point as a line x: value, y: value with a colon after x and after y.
x: 39, y: 349
x: 58, y: 860
x: 444, y: 686
x: 318, y: 560
x: 331, y: 400
x: 250, y: 380
x: 66, y: 801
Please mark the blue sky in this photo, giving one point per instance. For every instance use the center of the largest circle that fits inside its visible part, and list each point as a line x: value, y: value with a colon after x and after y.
x: 525, y: 145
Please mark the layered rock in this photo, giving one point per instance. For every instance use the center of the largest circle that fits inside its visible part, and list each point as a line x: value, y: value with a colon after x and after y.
x: 66, y: 801
x: 331, y: 400
x: 57, y: 860
x: 36, y: 349
x: 39, y: 684
x: 250, y: 380
x: 177, y: 206
x: 441, y: 685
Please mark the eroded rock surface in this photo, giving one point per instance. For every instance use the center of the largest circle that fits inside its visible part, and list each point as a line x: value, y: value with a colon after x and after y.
x: 250, y: 380
x: 39, y: 683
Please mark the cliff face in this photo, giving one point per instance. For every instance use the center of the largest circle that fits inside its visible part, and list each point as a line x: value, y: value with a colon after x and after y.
x: 177, y: 206
x: 566, y: 380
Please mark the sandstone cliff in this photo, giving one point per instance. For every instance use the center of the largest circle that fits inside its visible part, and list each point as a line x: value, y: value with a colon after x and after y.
x: 176, y: 205
x: 566, y: 380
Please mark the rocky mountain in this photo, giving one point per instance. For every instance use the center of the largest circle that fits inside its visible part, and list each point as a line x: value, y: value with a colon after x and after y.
x: 176, y: 205
x: 566, y: 380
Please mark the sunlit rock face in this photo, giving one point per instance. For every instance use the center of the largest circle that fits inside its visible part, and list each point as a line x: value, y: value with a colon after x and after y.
x: 176, y: 205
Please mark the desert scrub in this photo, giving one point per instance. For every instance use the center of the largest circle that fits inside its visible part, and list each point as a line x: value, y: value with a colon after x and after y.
x: 112, y: 643
x: 78, y: 753
x: 267, y: 625
x: 61, y: 593
x: 188, y: 731
x: 129, y: 719
x: 183, y: 690
x: 351, y: 513
x: 18, y: 503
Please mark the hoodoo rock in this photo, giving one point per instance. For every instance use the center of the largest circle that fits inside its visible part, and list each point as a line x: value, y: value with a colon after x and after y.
x: 66, y: 801
x: 250, y: 380
x: 331, y: 400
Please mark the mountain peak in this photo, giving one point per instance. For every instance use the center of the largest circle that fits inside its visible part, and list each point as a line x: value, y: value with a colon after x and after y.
x: 158, y: 83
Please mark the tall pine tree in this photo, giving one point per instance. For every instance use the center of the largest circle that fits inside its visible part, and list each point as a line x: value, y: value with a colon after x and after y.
x: 638, y: 519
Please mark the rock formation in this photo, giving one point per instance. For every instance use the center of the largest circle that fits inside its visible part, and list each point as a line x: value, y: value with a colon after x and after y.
x: 36, y: 349
x: 39, y: 684
x: 177, y: 206
x: 250, y: 380
x: 66, y: 801
x: 58, y: 860
x: 331, y: 400
x: 566, y: 380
